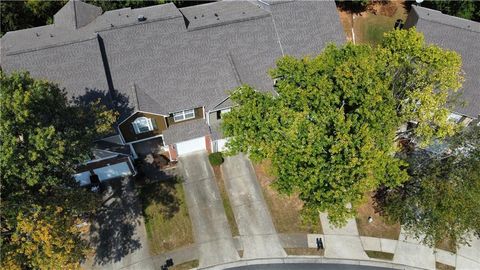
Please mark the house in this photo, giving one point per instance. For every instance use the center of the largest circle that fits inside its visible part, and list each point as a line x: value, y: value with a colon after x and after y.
x: 169, y: 70
x: 462, y: 36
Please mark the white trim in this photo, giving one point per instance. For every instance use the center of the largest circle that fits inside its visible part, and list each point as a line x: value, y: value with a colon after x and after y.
x: 224, y: 108
x: 132, y: 167
x: 136, y: 111
x: 263, y: 2
x: 142, y: 122
x: 108, y: 138
x: 100, y: 159
x: 149, y: 138
x: 184, y: 115
x: 223, y: 100
x: 135, y: 156
x: 121, y: 135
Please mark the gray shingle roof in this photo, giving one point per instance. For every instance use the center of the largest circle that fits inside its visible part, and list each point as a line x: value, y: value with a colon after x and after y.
x: 76, y: 14
x: 456, y: 34
x: 172, y: 66
x: 185, y: 131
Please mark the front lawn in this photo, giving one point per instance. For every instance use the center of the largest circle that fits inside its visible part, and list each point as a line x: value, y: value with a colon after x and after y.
x: 370, y: 25
x: 166, y: 215
x: 285, y: 210
x: 378, y: 227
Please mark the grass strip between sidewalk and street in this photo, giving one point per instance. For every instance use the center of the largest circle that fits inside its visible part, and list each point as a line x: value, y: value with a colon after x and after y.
x: 225, y: 200
x: 185, y: 265
x: 167, y: 222
x: 441, y: 266
x: 379, y: 255
x: 304, y: 251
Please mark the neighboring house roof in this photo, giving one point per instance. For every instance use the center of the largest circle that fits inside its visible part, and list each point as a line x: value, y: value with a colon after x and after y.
x: 456, y: 34
x: 185, y: 131
x: 104, y: 148
x: 177, y: 58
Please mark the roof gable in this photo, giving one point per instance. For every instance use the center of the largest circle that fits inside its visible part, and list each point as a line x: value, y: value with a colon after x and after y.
x: 76, y: 14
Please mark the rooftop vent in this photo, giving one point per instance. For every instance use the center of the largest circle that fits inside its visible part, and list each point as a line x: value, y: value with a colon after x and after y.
x: 141, y: 18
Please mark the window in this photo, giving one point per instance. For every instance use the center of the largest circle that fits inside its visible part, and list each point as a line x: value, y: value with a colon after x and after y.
x: 183, y: 115
x: 142, y: 124
x: 222, y: 112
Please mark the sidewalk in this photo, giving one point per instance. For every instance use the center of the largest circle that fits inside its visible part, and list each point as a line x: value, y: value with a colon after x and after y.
x: 346, y: 243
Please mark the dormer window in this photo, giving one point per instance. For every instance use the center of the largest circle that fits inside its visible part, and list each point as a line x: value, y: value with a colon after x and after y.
x: 183, y: 115
x: 142, y: 124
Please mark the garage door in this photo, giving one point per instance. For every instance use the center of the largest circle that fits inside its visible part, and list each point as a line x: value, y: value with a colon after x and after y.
x: 112, y: 171
x: 191, y: 146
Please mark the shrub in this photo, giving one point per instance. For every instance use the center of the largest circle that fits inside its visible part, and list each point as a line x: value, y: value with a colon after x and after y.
x: 215, y: 158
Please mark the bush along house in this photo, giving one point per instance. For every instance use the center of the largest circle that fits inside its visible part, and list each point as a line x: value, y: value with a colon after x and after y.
x: 167, y: 70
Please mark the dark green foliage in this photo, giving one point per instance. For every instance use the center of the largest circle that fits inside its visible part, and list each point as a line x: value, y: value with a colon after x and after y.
x: 355, y: 6
x: 330, y: 132
x: 216, y: 159
x: 42, y: 139
x: 467, y: 9
x: 442, y: 198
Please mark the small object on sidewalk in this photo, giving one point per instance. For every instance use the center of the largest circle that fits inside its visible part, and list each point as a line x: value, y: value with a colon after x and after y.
x: 169, y: 262
x: 370, y: 219
x: 319, y: 243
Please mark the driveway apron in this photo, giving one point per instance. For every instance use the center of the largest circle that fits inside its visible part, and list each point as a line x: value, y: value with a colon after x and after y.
x: 210, y: 225
x: 258, y: 234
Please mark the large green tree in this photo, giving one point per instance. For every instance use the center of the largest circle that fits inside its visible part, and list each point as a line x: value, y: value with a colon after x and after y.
x: 442, y: 198
x: 43, y: 137
x: 330, y: 131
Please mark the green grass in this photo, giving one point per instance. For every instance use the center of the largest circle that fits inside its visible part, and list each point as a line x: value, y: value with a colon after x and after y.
x: 225, y: 201
x: 379, y: 255
x: 167, y: 222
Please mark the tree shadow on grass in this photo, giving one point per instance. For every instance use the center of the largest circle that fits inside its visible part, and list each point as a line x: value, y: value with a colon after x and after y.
x: 160, y: 197
x: 114, y: 234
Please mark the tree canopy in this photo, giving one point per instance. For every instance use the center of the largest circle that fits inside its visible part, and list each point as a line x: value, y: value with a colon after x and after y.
x: 43, y: 137
x: 330, y: 128
x: 442, y: 198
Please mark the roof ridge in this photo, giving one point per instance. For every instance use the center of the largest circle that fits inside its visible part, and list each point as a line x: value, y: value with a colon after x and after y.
x: 60, y: 44
x: 147, y: 95
x: 75, y: 13
x: 135, y: 95
x: 437, y: 20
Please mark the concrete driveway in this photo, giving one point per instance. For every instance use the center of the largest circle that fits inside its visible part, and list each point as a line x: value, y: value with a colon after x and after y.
x: 258, y: 234
x: 210, y: 226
